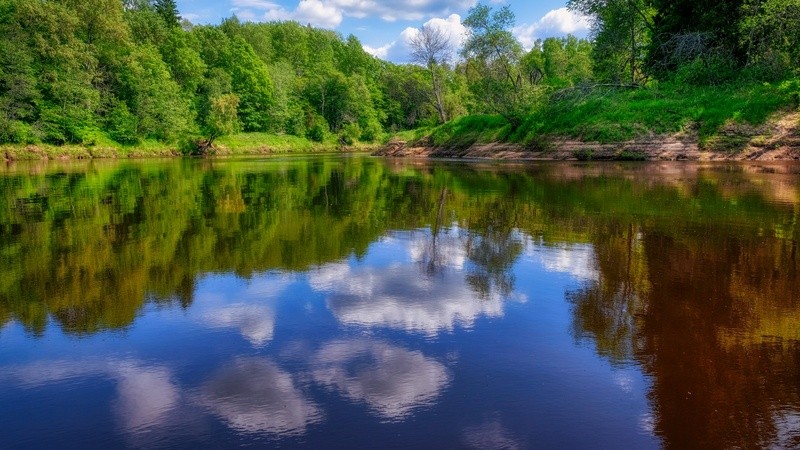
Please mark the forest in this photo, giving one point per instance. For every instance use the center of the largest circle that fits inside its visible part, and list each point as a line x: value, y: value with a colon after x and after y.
x: 134, y: 73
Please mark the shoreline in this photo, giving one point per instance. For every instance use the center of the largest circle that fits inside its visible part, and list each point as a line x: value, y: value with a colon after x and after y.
x: 778, y: 142
x: 44, y: 152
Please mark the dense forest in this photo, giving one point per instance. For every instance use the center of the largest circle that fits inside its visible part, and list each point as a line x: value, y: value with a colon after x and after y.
x: 126, y: 72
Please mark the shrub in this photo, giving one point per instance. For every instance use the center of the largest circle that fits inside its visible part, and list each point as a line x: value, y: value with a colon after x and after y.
x: 583, y: 154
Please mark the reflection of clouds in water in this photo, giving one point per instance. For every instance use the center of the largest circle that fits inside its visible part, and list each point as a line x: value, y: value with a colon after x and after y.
x: 145, y: 394
x: 624, y: 381
x: 450, y: 250
x: 254, y: 395
x: 41, y: 373
x: 250, y: 313
x: 399, y: 297
x: 255, y: 322
x: 647, y: 423
x: 489, y: 435
x: 787, y: 424
x: 392, y: 381
x: 576, y: 260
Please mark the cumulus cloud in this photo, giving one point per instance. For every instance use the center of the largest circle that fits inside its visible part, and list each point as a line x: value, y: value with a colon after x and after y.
x: 315, y: 12
x: 392, y: 10
x: 401, y: 298
x: 329, y: 13
x: 256, y: 323
x: 392, y: 381
x: 249, y: 310
x: 254, y: 395
x: 557, y: 22
x: 400, y: 49
x: 576, y: 260
x: 404, y: 296
x: 145, y: 394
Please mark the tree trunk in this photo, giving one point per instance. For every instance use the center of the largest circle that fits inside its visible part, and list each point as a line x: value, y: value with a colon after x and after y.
x: 437, y: 93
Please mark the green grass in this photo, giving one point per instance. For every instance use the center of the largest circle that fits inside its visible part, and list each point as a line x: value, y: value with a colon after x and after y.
x: 616, y: 116
x: 270, y: 143
x: 238, y: 144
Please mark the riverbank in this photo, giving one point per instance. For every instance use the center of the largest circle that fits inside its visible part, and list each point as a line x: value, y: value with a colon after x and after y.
x: 239, y: 144
x: 779, y: 140
x: 663, y: 122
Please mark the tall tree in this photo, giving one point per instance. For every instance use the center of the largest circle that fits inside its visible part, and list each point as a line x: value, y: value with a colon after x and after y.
x: 492, y: 55
x: 622, y: 30
x: 770, y: 33
x: 168, y: 10
x: 431, y: 48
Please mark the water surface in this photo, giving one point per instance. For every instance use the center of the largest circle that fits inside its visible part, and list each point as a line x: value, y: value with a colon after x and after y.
x: 356, y: 302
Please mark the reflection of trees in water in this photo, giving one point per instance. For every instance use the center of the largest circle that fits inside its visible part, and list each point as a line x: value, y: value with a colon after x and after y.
x: 492, y: 249
x: 713, y: 319
x: 609, y: 310
x: 492, y: 256
x: 433, y: 260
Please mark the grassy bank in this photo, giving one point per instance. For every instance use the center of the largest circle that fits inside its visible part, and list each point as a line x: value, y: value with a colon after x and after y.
x: 720, y: 117
x: 238, y: 144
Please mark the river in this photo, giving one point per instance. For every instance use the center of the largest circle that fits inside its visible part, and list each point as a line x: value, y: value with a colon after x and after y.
x: 341, y: 302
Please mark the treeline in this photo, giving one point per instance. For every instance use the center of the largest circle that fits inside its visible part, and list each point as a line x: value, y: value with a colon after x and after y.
x: 90, y: 71
x: 694, y: 41
x: 97, y: 71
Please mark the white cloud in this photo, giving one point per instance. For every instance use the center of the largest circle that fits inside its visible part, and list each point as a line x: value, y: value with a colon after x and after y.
x: 250, y: 310
x: 557, y: 22
x: 576, y: 260
x: 329, y: 13
x: 316, y: 12
x: 145, y: 394
x: 255, y: 322
x: 254, y: 395
x: 380, y: 52
x: 406, y: 296
x: 392, y: 381
x: 392, y: 10
x: 400, y: 49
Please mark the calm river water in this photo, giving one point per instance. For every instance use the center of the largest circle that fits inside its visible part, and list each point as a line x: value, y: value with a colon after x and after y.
x: 349, y: 302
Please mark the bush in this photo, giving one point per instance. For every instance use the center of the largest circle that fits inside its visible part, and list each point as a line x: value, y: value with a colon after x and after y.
x: 316, y: 132
x: 583, y: 154
x: 709, y: 70
x: 349, y: 134
x: 630, y: 155
x: 122, y: 125
x: 16, y: 132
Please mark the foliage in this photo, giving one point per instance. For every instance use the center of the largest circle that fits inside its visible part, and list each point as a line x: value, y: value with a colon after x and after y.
x: 616, y: 116
x: 492, y: 56
x: 129, y: 72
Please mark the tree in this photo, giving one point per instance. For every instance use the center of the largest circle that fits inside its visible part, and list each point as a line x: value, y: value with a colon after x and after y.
x: 622, y: 30
x: 222, y: 119
x: 492, y: 57
x: 168, y: 10
x: 770, y: 34
x: 431, y: 48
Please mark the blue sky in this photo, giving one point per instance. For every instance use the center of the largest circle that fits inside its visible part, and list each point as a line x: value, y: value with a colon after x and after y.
x: 384, y: 27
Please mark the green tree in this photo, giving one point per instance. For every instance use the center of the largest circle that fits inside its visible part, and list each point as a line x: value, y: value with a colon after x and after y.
x: 622, y: 32
x: 492, y: 57
x: 222, y: 119
x: 168, y: 10
x: 770, y: 34
x: 431, y: 48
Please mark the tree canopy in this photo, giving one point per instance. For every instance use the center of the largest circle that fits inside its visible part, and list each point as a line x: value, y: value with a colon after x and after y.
x: 95, y: 71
